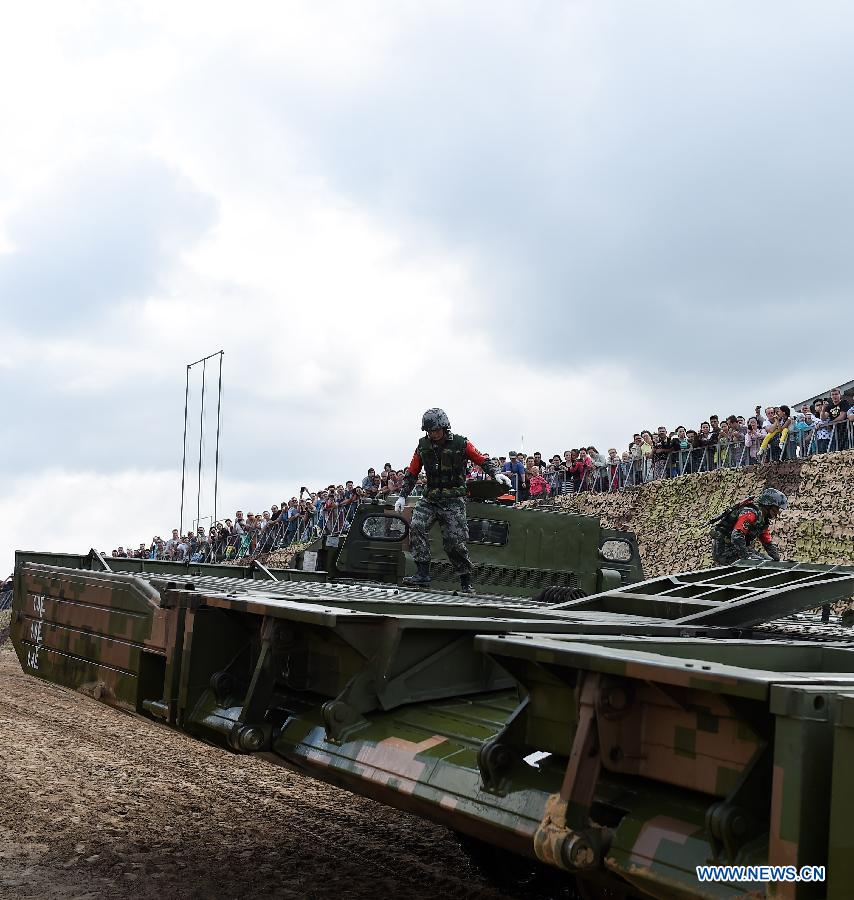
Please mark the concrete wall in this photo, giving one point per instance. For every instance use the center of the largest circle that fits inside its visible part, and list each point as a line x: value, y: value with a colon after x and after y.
x: 669, y: 517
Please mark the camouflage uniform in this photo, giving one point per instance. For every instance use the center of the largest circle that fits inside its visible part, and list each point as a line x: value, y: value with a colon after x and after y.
x: 723, y: 551
x: 451, y: 515
x: 443, y: 501
x: 737, y: 529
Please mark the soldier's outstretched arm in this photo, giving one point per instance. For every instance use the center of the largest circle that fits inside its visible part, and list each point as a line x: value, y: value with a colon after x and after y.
x: 411, y: 474
x: 407, y: 485
x: 486, y: 464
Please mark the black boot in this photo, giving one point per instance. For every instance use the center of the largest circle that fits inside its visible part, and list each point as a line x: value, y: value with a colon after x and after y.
x: 466, y: 585
x: 421, y: 578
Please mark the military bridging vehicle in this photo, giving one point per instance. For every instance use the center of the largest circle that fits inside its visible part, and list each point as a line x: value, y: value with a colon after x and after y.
x: 623, y: 732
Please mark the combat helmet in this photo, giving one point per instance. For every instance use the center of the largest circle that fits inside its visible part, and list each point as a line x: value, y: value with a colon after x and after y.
x: 435, y: 418
x: 773, y: 497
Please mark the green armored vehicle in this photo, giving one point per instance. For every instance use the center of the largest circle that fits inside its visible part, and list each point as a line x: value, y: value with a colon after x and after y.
x: 627, y: 734
x: 515, y: 552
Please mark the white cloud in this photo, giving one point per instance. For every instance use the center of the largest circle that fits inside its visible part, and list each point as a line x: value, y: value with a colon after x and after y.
x: 553, y: 220
x: 66, y: 511
x: 72, y: 511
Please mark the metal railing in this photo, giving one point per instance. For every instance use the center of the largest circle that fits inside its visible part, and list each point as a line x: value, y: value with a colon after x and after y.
x: 310, y: 522
x: 334, y: 518
x: 663, y: 463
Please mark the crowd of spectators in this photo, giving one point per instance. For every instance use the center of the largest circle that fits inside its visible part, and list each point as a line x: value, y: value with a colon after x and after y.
x: 769, y: 435
x: 326, y: 511
x: 772, y: 434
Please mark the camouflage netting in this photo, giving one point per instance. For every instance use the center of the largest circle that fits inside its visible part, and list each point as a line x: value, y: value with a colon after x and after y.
x: 669, y: 516
x: 279, y: 559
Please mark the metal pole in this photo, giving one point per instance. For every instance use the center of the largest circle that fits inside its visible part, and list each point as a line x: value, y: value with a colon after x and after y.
x: 209, y: 356
x: 218, y: 408
x: 184, y: 460
x: 201, y: 436
x: 192, y: 365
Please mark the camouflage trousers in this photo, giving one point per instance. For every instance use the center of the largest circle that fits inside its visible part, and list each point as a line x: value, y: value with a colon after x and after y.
x: 451, y: 515
x: 724, y: 552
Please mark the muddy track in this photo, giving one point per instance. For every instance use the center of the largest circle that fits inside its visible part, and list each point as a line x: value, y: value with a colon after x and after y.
x: 96, y: 804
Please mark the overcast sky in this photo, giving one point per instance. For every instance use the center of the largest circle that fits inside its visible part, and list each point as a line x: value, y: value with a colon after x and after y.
x: 562, y: 222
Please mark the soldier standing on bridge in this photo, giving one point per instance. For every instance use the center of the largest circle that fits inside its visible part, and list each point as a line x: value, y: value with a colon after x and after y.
x: 736, y: 529
x: 443, y: 456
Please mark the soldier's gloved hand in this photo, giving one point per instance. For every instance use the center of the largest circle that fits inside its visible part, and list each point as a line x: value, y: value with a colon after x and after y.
x: 399, y: 504
x: 501, y: 478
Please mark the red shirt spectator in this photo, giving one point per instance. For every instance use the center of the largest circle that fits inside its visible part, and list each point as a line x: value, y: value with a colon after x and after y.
x: 538, y: 486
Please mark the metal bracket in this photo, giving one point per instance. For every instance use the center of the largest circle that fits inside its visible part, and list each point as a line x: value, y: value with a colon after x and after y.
x: 728, y: 826
x: 497, y: 755
x: 102, y: 564
x: 341, y: 720
x: 263, y: 681
x: 250, y: 733
x: 566, y: 838
x: 266, y: 574
x: 729, y: 822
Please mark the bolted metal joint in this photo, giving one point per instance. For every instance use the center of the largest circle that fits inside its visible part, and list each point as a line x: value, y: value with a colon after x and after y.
x: 341, y: 720
x: 249, y: 738
x: 494, y: 759
x: 572, y: 849
x: 615, y: 699
x: 580, y: 850
x: 729, y: 826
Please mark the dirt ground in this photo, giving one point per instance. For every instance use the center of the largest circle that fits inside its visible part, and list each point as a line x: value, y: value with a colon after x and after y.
x: 94, y: 803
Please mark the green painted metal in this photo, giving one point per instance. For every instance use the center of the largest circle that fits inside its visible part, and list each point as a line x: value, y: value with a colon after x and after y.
x: 840, y: 857
x: 515, y: 552
x: 544, y: 549
x: 624, y: 738
x: 741, y: 595
x: 99, y: 633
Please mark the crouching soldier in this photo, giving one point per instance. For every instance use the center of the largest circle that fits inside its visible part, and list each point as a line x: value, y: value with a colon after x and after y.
x: 443, y: 456
x: 737, y: 528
